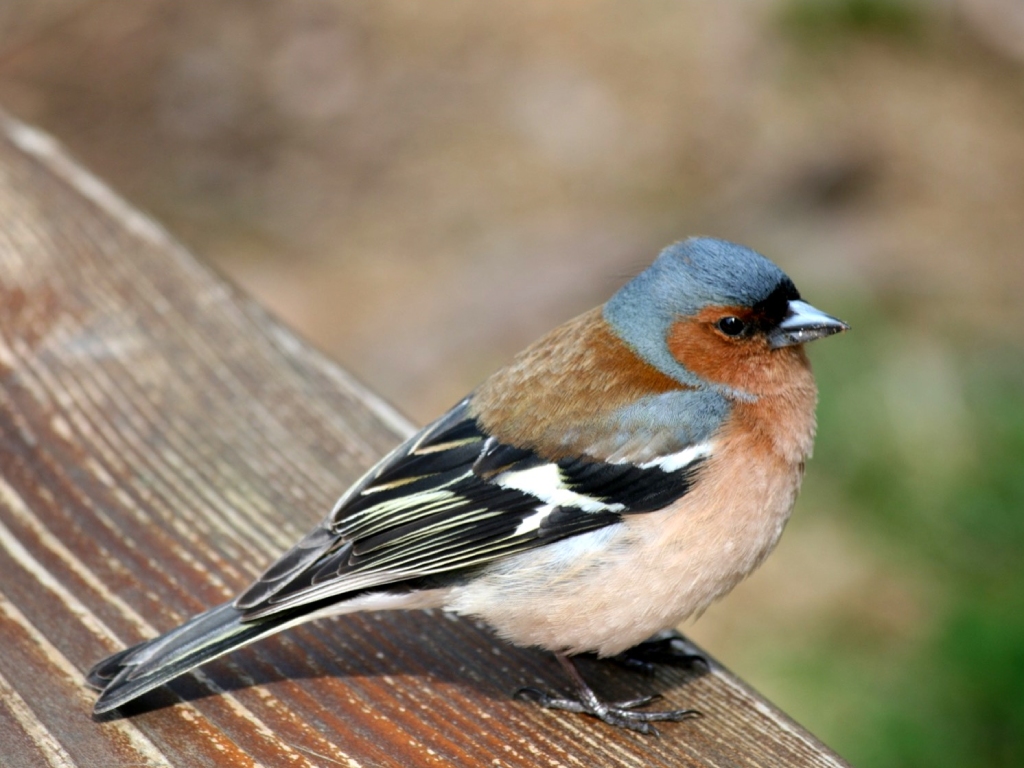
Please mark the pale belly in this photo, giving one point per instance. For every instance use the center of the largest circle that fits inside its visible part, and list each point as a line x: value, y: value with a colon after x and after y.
x: 610, y: 589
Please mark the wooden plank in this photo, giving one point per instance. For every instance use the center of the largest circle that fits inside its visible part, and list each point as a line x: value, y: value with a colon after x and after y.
x: 162, y: 440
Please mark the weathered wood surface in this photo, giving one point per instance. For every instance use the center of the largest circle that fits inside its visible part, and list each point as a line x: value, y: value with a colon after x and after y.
x: 162, y: 440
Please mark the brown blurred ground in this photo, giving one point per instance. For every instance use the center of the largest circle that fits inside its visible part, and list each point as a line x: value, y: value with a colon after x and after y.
x: 423, y: 188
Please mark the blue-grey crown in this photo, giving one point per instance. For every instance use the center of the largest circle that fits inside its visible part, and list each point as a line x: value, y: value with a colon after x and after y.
x: 685, y: 278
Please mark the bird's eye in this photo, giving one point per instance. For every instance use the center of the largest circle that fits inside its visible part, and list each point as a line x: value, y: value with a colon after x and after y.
x: 731, y: 326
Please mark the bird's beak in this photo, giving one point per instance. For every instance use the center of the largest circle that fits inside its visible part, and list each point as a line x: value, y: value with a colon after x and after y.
x: 804, y: 323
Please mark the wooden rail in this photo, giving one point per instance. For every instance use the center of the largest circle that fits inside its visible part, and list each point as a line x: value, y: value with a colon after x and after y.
x: 161, y: 440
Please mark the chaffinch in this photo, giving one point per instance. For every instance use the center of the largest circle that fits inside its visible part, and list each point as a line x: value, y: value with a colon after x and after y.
x: 619, y: 475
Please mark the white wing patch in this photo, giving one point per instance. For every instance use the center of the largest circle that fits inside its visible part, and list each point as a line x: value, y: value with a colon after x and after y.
x: 532, y: 523
x: 545, y: 482
x: 676, y: 461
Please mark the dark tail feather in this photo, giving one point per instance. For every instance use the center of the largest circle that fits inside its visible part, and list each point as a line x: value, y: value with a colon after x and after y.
x: 130, y: 673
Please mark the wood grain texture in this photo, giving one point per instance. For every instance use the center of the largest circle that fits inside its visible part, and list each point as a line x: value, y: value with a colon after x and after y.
x: 162, y: 440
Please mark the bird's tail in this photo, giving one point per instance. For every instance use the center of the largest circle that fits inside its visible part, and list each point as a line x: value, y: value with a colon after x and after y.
x: 130, y: 673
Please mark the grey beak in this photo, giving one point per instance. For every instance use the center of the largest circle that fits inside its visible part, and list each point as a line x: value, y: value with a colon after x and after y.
x: 804, y: 323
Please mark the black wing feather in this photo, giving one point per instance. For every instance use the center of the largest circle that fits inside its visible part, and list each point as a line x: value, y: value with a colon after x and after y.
x: 438, y: 506
x: 499, y: 457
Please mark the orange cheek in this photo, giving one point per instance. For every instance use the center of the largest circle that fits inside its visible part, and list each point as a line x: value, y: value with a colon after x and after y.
x: 704, y: 352
x: 748, y: 365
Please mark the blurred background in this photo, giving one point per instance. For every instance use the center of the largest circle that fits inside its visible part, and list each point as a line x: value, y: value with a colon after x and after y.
x: 423, y: 188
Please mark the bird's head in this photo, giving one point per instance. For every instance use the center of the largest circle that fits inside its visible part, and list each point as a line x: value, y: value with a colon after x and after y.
x: 713, y: 312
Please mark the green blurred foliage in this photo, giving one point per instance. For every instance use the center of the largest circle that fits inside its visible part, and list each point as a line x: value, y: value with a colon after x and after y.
x: 924, y: 440
x: 822, y: 20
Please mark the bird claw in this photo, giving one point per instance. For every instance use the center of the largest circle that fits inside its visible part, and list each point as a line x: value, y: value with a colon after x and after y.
x: 621, y: 714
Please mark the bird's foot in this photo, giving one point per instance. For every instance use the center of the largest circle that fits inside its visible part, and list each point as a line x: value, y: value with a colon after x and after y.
x: 621, y: 714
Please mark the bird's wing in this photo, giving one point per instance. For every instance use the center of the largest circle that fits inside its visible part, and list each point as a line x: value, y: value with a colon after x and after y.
x: 453, y: 497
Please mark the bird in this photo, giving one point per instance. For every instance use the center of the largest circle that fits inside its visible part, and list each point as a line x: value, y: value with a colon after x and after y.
x: 615, y: 478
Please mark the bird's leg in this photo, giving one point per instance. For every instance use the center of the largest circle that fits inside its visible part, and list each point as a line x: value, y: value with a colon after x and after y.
x: 666, y: 647
x: 622, y: 714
